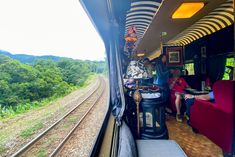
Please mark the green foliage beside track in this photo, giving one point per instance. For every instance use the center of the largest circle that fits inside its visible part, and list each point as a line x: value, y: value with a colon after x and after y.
x: 29, y: 131
x: 26, y: 86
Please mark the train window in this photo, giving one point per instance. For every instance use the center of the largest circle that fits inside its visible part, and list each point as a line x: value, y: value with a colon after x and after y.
x: 229, y: 63
x: 190, y: 69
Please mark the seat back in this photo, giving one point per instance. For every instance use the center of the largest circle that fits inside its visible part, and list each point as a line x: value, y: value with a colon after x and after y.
x: 224, y: 92
x: 127, y: 145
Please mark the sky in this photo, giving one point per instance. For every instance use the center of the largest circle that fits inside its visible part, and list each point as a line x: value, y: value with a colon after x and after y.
x: 49, y: 27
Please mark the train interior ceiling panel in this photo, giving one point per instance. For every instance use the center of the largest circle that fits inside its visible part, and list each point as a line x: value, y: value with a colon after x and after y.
x: 171, y: 77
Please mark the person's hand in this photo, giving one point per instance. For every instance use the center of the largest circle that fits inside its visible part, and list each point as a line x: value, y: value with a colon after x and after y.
x: 188, y: 96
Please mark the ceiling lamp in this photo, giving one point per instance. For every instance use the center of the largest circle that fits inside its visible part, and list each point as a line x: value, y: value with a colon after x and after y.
x: 140, y: 54
x: 187, y: 10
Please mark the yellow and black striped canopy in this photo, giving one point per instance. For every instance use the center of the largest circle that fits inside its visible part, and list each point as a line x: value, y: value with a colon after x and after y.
x: 219, y: 18
x: 141, y: 15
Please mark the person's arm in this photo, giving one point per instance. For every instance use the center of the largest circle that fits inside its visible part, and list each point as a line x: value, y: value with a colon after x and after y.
x: 203, y: 97
x: 159, y: 70
x: 200, y: 97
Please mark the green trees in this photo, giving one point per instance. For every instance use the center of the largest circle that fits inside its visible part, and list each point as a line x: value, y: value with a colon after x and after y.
x: 76, y: 71
x: 15, y: 81
x: 24, y: 84
x: 50, y: 80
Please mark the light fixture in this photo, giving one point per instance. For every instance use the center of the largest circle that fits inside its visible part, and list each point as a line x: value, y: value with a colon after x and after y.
x: 140, y: 54
x: 130, y: 38
x: 131, y: 34
x: 187, y: 10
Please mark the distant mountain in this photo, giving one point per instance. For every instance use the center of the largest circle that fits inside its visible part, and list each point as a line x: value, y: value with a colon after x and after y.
x: 29, y: 58
x: 5, y: 53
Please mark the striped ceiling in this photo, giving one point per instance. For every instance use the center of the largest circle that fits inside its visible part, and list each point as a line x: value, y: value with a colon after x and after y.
x: 140, y: 15
x: 219, y: 18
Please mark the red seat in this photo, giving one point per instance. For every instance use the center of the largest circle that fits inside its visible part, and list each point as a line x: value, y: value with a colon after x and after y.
x: 216, y: 120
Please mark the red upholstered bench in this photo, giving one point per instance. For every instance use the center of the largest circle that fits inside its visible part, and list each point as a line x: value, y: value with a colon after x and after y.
x: 216, y: 120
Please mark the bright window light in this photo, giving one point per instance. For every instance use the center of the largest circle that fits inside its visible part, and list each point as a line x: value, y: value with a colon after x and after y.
x: 187, y: 10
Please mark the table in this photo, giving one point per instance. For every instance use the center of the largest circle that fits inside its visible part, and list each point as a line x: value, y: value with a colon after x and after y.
x: 195, y: 92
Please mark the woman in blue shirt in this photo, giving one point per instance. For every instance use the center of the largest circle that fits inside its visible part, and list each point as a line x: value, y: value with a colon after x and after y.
x: 163, y: 76
x: 162, y: 72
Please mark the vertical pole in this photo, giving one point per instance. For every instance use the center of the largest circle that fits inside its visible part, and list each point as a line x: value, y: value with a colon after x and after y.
x: 137, y: 97
x: 138, y: 118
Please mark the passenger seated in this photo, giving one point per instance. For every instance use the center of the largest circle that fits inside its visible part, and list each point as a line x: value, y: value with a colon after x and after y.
x: 177, y: 86
x: 189, y: 100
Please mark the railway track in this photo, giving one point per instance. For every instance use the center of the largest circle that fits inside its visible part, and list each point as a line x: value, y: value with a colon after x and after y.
x: 84, y: 132
x: 52, y: 139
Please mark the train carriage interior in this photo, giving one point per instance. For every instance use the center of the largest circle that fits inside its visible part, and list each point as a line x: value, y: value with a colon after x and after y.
x: 154, y: 47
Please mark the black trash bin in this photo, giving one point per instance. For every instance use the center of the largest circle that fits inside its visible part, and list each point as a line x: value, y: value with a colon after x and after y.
x: 152, y: 118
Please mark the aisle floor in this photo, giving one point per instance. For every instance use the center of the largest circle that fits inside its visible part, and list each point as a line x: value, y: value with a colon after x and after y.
x: 194, y: 145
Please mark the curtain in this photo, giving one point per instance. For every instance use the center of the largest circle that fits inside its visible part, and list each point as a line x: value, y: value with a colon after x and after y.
x: 216, y: 67
x: 115, y: 75
x: 197, y: 65
x: 127, y: 145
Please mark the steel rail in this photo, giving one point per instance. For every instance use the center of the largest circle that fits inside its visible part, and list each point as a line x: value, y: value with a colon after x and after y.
x: 60, y: 146
x: 29, y: 144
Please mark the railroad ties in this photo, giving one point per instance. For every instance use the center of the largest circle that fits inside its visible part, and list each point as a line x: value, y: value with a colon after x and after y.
x: 52, y: 140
